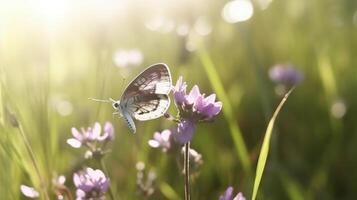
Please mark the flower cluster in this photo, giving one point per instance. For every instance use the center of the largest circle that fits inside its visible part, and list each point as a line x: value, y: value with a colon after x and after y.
x: 91, y: 138
x: 91, y: 184
x: 145, y: 180
x: 193, y: 108
x: 91, y: 134
x: 228, y: 195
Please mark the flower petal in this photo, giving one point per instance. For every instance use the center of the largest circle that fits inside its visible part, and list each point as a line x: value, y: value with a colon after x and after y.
x: 165, y: 135
x: 199, y: 105
x: 103, y: 137
x: 154, y: 143
x: 95, y: 131
x: 193, y: 95
x: 80, y: 194
x: 211, y: 98
x: 239, y: 196
x: 228, y: 195
x: 74, y: 143
x: 29, y: 191
x: 157, y: 136
x: 76, y: 134
x: 76, y: 179
x: 179, y: 91
x: 108, y: 128
x: 214, y: 109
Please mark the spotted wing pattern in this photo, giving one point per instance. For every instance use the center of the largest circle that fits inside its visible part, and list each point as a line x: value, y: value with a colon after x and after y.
x: 146, y: 97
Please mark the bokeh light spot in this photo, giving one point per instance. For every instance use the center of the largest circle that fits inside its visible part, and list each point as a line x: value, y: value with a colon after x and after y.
x: 237, y: 11
x: 338, y: 109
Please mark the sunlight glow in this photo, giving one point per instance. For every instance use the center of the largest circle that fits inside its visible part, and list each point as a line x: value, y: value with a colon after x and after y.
x: 160, y: 24
x: 51, y: 12
x: 237, y: 11
x: 124, y: 58
x: 203, y: 26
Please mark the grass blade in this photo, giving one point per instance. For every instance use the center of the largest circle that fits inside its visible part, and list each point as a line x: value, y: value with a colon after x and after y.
x: 217, y: 85
x: 168, y: 191
x: 265, y: 147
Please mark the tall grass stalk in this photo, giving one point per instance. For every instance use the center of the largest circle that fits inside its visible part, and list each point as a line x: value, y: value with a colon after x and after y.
x: 236, y: 134
x: 33, y: 160
x: 265, y: 147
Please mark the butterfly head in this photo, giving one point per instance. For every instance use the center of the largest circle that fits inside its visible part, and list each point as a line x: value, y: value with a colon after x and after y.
x: 116, y: 105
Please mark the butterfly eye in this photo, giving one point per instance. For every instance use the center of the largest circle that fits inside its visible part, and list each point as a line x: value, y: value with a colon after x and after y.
x: 115, y: 105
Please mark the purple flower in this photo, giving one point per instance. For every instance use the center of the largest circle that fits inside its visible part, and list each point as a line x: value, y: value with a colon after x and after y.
x: 193, y: 108
x: 228, y: 195
x: 90, y: 184
x: 108, y: 131
x: 29, y: 191
x: 163, y: 140
x: 179, y: 91
x: 195, y: 105
x: 91, y: 134
x: 184, y: 131
x: 207, y: 107
x: 285, y: 74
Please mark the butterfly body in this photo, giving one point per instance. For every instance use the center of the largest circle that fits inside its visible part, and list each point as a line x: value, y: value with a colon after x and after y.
x: 146, y: 97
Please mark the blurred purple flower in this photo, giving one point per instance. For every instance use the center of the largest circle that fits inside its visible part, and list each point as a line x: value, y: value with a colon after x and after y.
x: 91, y: 134
x: 228, y: 195
x: 29, y: 191
x: 90, y: 184
x: 184, y: 131
x: 163, y: 140
x: 285, y: 74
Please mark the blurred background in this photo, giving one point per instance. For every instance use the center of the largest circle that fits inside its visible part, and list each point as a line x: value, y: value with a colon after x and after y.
x: 55, y: 54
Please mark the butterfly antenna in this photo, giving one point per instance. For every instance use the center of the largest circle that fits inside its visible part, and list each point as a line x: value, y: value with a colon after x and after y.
x: 101, y: 100
x: 111, y: 100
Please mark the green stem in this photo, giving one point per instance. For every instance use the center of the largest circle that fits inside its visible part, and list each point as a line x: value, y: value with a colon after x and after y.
x: 34, y: 163
x: 187, y: 170
x: 104, y: 168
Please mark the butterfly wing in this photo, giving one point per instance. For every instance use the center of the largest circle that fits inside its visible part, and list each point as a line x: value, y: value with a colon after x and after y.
x: 146, y: 97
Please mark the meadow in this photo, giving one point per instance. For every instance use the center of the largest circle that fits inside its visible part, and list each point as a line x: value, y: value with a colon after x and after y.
x: 55, y: 55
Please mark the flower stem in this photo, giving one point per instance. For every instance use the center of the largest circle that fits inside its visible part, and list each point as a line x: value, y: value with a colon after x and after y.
x: 34, y: 163
x: 104, y: 168
x: 187, y: 170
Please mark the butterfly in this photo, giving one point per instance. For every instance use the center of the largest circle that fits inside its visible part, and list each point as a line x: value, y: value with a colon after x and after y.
x: 146, y: 97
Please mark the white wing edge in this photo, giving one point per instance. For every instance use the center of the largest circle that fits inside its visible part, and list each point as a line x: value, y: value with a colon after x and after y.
x: 163, y: 106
